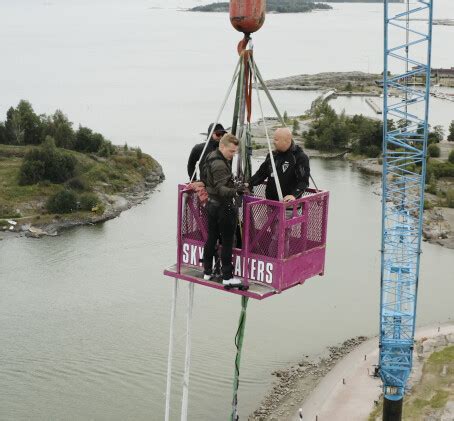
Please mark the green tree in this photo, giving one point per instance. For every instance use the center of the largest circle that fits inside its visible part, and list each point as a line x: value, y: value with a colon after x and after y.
x: 451, y: 132
x: 436, y: 135
x: 296, y: 126
x: 285, y: 116
x: 14, y: 128
x: 23, y: 125
x: 3, y: 134
x: 348, y: 87
x: 139, y: 153
x: 60, y: 128
x: 88, y: 141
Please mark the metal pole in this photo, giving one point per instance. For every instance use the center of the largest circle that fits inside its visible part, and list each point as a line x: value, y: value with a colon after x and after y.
x: 187, y: 365
x: 170, y: 356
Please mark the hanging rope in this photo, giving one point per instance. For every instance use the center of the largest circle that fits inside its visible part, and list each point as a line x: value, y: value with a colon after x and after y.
x: 273, y: 163
x: 170, y: 356
x: 187, y: 363
x: 235, y: 75
x: 239, y: 345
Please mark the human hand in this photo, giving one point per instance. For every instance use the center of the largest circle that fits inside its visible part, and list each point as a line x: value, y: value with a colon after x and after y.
x: 289, y: 198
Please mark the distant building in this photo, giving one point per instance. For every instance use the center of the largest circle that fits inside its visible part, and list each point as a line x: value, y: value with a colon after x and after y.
x: 442, y: 73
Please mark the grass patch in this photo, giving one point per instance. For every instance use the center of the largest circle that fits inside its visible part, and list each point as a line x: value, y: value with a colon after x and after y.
x: 430, y: 396
x: 111, y: 175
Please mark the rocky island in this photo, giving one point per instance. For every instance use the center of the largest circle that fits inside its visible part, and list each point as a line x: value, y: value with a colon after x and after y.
x: 54, y: 177
x: 276, y: 6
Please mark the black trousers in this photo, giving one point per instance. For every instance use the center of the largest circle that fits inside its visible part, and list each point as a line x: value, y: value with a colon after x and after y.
x: 222, y: 220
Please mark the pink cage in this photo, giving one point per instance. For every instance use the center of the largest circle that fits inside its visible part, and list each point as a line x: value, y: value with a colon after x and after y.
x: 283, y: 244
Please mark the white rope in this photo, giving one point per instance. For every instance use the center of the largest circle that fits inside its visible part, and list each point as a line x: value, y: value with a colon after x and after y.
x: 273, y: 164
x: 170, y: 356
x: 235, y: 75
x: 187, y: 363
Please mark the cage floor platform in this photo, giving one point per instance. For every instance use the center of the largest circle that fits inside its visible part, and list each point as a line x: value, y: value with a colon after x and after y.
x: 256, y: 290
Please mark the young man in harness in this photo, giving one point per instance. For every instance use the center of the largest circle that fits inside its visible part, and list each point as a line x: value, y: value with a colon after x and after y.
x: 221, y: 208
x: 196, y: 153
x: 292, y: 166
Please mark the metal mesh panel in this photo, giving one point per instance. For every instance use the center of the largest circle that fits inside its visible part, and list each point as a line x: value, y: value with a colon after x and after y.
x: 295, y: 235
x: 264, y: 229
x: 316, y: 221
x: 259, y: 191
x: 303, y: 236
x: 194, y: 218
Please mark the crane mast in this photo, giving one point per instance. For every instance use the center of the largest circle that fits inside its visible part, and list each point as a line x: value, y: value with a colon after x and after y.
x: 407, y: 63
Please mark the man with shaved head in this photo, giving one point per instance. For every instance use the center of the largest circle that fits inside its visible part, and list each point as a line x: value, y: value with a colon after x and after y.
x: 292, y: 166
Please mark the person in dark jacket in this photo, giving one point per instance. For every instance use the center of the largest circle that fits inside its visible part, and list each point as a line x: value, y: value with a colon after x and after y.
x: 196, y: 153
x: 221, y: 208
x: 292, y: 166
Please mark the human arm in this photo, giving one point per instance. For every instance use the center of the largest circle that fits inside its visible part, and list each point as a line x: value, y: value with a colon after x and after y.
x: 261, y: 174
x: 303, y: 173
x: 192, y: 161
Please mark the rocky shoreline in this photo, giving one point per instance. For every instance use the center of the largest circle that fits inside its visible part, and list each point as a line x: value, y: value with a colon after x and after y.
x: 114, y: 206
x: 294, y: 384
x: 438, y: 222
x: 327, y: 80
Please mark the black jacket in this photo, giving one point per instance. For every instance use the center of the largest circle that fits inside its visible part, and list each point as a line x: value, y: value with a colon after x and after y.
x: 292, y: 169
x: 196, y: 155
x: 219, y: 181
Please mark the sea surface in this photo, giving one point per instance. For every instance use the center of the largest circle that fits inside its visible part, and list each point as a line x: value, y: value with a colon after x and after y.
x: 84, y: 317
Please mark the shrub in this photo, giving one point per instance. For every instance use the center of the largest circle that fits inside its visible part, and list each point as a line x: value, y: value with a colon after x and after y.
x: 88, y: 201
x: 107, y: 149
x: 440, y: 169
x: 450, y: 198
x: 31, y: 172
x: 433, y: 151
x: 139, y: 153
x: 77, y: 183
x: 373, y: 151
x: 47, y: 163
x: 64, y: 201
x: 451, y: 157
x: 428, y: 204
x: 432, y: 186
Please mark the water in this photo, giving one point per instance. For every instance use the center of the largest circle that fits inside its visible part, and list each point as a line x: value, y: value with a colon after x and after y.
x: 84, y: 317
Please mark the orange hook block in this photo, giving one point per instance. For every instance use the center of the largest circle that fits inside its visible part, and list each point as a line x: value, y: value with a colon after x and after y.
x: 247, y: 16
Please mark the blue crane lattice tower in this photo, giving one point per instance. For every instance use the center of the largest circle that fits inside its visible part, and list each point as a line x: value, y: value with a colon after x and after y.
x: 408, y: 36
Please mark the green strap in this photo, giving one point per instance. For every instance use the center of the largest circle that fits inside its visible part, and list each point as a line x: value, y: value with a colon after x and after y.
x: 239, y: 345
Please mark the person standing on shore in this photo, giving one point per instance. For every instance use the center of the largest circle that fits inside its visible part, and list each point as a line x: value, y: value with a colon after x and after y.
x: 196, y: 153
